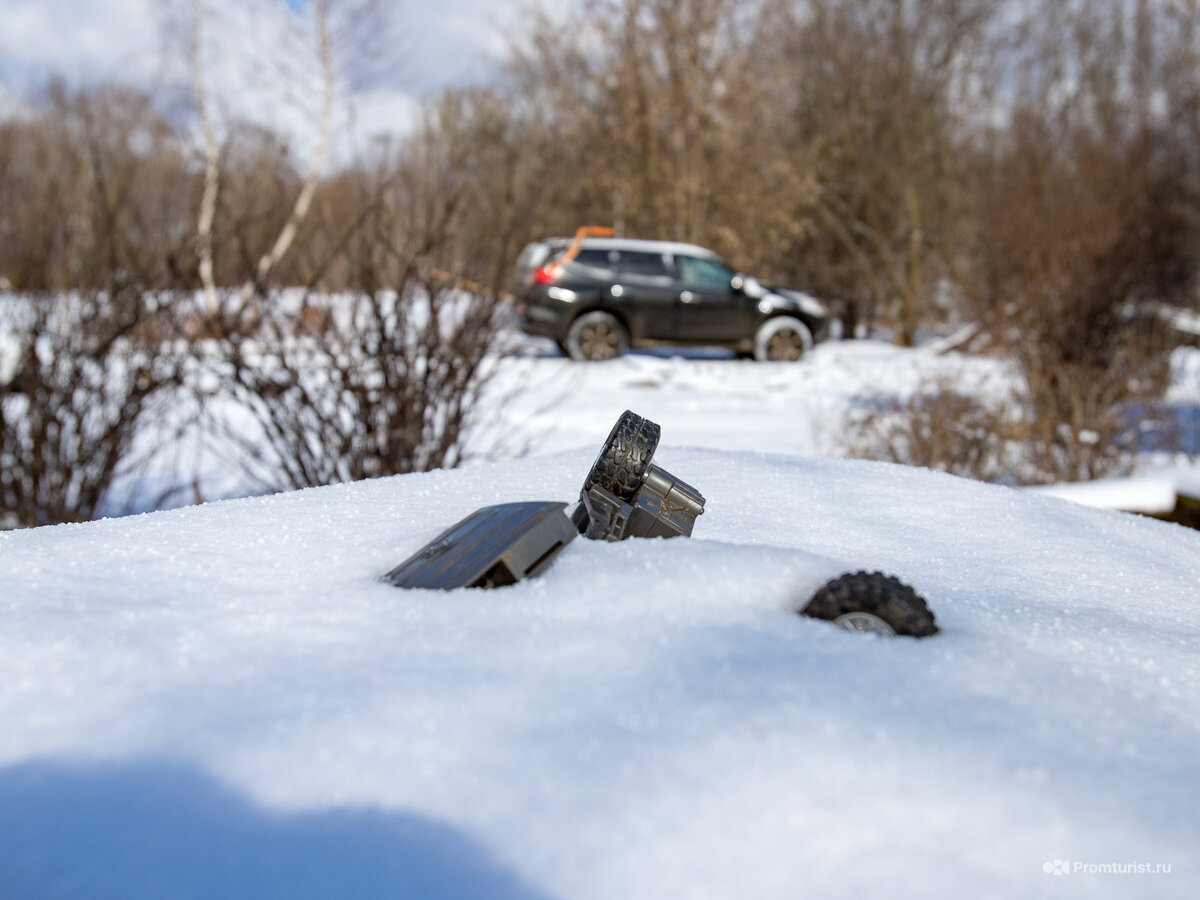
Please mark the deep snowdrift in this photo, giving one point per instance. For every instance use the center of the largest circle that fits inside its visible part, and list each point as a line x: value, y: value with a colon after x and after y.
x: 223, y: 701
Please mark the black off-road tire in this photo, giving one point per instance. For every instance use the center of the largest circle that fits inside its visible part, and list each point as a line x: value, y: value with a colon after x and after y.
x: 596, y: 336
x: 882, y: 596
x: 626, y: 455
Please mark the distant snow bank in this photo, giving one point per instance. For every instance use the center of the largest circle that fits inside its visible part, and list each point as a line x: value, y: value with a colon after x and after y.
x: 1152, y: 494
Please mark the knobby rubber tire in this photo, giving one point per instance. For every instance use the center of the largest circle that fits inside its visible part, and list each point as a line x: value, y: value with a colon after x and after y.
x: 625, y: 456
x: 880, y: 595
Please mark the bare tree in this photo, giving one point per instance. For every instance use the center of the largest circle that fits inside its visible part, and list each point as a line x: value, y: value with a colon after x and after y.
x: 380, y: 379
x: 877, y: 97
x: 369, y: 381
x: 255, y: 283
x: 94, y: 184
x: 97, y: 180
x: 645, y: 100
x: 1077, y: 231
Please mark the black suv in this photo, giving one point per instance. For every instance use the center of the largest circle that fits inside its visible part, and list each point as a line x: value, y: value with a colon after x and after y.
x: 599, y: 296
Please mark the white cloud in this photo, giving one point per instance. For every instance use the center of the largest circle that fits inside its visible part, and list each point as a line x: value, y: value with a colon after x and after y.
x: 451, y: 43
x: 259, y: 58
x: 369, y: 117
x: 117, y: 39
x: 427, y: 45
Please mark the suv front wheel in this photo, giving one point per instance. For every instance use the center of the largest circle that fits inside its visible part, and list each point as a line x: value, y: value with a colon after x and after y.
x: 782, y: 339
x: 595, y: 336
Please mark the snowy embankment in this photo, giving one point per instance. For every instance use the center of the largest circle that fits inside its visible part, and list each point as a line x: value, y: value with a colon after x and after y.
x: 223, y: 700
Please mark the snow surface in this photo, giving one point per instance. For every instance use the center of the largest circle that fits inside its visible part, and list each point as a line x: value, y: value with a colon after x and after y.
x: 710, y: 400
x: 540, y: 402
x: 224, y: 701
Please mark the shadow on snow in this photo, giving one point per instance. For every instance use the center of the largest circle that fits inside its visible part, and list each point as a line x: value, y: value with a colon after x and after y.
x: 157, y: 830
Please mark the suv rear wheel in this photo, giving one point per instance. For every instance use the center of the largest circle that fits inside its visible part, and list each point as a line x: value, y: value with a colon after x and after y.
x: 782, y: 339
x: 596, y: 336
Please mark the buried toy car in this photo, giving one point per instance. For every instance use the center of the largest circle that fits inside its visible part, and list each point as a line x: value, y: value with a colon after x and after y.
x: 625, y: 495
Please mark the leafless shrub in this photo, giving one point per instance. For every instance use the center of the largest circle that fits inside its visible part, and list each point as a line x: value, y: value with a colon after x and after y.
x: 1063, y: 422
x: 1065, y: 274
x: 1087, y: 413
x: 374, y: 375
x: 942, y: 428
x: 387, y: 385
x: 381, y: 378
x: 91, y: 234
x: 72, y: 396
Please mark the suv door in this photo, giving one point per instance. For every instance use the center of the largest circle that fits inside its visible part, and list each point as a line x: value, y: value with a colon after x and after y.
x: 708, y: 308
x: 649, y: 290
x: 636, y: 284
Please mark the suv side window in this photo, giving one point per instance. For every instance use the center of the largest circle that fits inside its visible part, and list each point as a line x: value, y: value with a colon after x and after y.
x: 597, y: 259
x: 701, y: 271
x: 635, y: 262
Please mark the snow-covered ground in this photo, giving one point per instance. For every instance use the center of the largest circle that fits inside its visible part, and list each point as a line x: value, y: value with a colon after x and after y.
x: 540, y: 402
x: 224, y: 701
x: 710, y: 400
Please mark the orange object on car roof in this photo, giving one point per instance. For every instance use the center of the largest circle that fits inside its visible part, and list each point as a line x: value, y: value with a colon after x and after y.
x: 586, y: 231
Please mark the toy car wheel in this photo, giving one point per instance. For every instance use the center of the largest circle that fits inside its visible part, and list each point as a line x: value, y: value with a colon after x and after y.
x: 874, y: 603
x: 596, y: 336
x: 782, y: 339
x: 625, y: 456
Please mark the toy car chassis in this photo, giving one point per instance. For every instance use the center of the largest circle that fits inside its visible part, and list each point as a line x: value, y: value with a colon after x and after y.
x: 625, y: 495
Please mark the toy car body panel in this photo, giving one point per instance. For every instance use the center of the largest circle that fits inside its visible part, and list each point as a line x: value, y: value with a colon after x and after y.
x: 626, y: 495
x: 623, y: 496
x: 492, y: 547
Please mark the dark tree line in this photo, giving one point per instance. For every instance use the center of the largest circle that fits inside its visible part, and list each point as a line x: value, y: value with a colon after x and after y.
x: 880, y: 152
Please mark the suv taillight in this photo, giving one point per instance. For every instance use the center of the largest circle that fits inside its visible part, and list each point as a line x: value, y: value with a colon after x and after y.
x: 546, y: 274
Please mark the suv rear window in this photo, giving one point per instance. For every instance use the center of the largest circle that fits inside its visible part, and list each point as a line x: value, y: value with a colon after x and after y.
x: 531, y: 257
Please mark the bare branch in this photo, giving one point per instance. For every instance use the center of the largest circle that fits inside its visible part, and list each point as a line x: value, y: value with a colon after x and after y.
x: 287, y: 234
x: 212, y: 161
